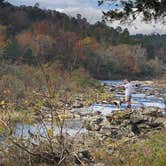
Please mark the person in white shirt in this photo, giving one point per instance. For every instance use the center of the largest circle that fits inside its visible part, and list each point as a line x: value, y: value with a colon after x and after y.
x: 128, y: 92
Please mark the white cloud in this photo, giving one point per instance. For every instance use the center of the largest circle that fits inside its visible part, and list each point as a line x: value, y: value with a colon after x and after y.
x: 138, y: 26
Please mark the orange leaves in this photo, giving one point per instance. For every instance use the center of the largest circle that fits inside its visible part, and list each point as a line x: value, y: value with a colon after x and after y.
x: 38, y: 43
x: 3, y: 39
x: 66, y: 43
x: 67, y: 39
x: 25, y: 39
x: 126, y: 56
x: 90, y: 43
x: 41, y: 28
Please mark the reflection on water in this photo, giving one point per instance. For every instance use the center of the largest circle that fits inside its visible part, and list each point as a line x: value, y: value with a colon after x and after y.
x: 70, y: 128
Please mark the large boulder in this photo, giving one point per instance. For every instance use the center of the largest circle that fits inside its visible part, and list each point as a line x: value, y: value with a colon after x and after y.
x: 137, y: 117
x: 155, y: 112
x: 94, y: 124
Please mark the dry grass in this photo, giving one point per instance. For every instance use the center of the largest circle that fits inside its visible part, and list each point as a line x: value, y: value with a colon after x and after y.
x: 149, y: 152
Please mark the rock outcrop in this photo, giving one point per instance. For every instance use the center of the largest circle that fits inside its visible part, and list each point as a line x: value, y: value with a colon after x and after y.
x: 127, y: 123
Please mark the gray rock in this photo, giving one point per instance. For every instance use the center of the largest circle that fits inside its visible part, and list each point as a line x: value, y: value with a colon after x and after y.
x: 93, y: 125
x: 143, y: 126
x: 164, y: 124
x: 98, y: 120
x: 156, y: 112
x: 138, y: 117
x: 158, y: 122
x: 106, y: 130
x: 78, y: 104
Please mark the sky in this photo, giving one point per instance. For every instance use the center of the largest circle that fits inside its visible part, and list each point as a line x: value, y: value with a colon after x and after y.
x: 92, y: 12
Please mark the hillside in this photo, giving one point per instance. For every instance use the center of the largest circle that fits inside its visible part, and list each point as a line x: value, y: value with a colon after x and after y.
x: 30, y: 34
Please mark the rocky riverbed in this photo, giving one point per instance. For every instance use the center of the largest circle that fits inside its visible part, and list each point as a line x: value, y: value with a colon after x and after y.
x: 104, y: 123
x: 122, y: 127
x: 147, y: 95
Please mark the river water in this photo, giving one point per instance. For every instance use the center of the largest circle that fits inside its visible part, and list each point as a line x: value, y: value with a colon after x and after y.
x: 72, y: 127
x: 139, y: 98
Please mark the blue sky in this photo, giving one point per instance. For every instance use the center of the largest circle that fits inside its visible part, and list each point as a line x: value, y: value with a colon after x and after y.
x: 90, y: 10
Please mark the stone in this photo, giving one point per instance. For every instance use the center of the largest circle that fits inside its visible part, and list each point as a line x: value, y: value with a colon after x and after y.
x: 156, y: 112
x: 158, y: 122
x: 99, y: 120
x: 78, y: 104
x: 106, y: 130
x: 138, y: 117
x: 164, y: 124
x: 93, y: 125
x: 143, y: 126
x: 84, y: 156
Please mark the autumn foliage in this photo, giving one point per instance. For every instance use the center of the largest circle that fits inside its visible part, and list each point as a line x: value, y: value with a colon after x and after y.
x: 28, y: 34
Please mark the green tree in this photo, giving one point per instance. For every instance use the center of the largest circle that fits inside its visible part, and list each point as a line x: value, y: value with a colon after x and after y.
x: 12, y: 52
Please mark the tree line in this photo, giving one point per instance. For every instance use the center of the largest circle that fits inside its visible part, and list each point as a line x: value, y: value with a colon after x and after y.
x: 28, y: 33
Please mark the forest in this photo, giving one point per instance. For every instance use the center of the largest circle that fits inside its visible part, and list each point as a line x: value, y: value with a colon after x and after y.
x: 29, y: 34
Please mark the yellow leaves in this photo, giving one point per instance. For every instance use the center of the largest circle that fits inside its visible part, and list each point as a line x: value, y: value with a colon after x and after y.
x: 114, y: 144
x: 30, y: 120
x: 2, y: 29
x: 83, y: 163
x: 3, y: 42
x: 26, y: 102
x: 50, y: 132
x: 24, y: 39
x: 1, y: 128
x: 90, y: 42
x: 105, y: 96
x: 87, y: 40
x: 2, y: 104
x: 19, y: 139
x: 46, y: 65
x: 63, y: 116
x: 118, y: 115
x: 87, y: 103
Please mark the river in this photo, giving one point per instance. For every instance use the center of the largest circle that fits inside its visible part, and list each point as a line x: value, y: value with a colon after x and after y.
x: 140, y: 98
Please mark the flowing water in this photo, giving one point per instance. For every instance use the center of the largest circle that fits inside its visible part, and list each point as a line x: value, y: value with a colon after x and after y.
x: 72, y: 127
x: 139, y: 98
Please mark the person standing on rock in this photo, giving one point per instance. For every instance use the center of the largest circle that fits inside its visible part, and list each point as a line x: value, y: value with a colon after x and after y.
x: 128, y: 92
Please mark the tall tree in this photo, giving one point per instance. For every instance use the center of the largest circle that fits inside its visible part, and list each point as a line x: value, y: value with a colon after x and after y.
x: 3, y: 40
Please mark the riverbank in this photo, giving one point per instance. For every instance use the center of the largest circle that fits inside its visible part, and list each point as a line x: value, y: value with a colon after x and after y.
x: 108, y: 137
x: 91, y: 133
x: 116, y: 138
